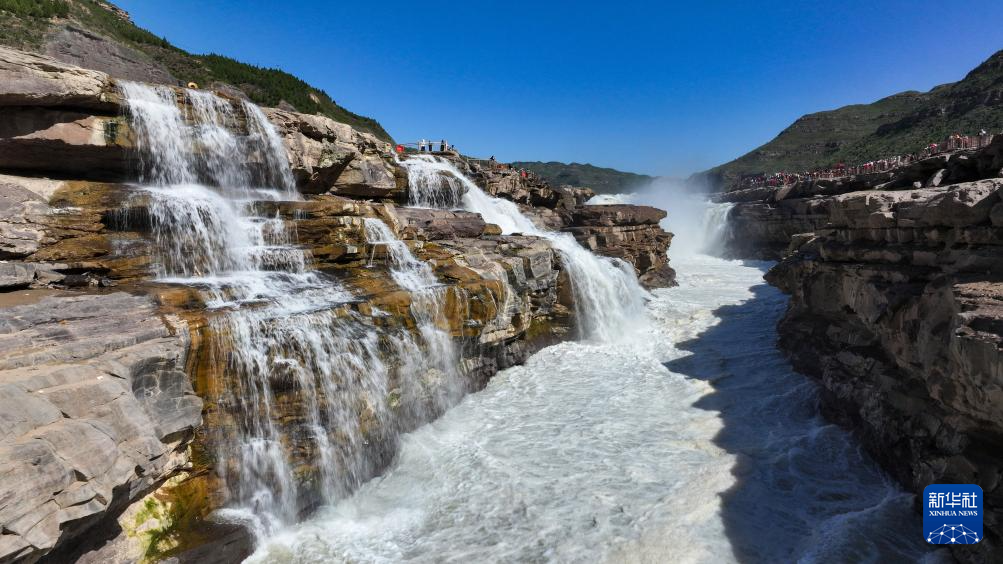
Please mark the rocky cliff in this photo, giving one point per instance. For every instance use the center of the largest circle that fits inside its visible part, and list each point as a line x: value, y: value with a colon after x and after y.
x: 117, y: 389
x: 896, y: 285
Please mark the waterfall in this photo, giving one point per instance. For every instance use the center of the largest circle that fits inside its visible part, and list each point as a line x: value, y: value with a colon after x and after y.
x: 700, y: 226
x: 432, y: 183
x: 200, y: 145
x: 427, y: 301
x: 308, y: 394
x: 609, y: 302
x: 717, y: 230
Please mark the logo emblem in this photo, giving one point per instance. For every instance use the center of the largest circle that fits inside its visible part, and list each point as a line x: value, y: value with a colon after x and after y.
x: 952, y: 514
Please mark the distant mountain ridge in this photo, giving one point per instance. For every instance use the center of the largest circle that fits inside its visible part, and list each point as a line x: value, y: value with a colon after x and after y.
x: 899, y: 124
x: 599, y: 179
x: 98, y: 35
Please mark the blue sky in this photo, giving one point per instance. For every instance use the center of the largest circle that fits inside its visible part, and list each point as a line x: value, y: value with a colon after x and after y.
x: 663, y: 88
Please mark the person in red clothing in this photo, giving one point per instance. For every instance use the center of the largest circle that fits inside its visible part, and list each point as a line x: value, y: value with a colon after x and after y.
x: 400, y: 149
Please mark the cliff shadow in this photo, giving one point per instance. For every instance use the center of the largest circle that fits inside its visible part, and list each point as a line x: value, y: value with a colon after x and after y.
x: 804, y: 489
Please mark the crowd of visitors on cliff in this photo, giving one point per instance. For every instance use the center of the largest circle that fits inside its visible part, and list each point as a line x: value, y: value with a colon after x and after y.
x: 953, y: 143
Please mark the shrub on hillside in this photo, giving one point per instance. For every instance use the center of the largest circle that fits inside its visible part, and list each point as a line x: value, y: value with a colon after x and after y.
x: 36, y: 8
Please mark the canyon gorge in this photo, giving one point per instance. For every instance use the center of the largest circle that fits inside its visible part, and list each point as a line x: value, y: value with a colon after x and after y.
x: 240, y: 323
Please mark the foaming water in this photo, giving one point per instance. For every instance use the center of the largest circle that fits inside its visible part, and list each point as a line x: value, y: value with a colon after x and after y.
x: 700, y: 227
x: 698, y: 444
x: 609, y: 301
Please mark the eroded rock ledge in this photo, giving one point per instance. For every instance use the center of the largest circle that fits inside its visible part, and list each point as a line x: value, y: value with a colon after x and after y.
x: 897, y: 309
x: 107, y: 377
x: 96, y: 408
x: 764, y: 220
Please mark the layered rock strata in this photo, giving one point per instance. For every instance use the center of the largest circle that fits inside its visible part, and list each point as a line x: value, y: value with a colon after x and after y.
x: 97, y: 411
x: 630, y: 233
x: 897, y: 310
x: 763, y: 220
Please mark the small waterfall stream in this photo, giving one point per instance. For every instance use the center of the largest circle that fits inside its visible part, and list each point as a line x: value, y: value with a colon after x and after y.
x: 427, y: 305
x: 609, y: 301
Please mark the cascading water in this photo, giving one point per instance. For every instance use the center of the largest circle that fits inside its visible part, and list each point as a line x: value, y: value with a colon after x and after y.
x: 432, y: 183
x: 694, y: 442
x: 664, y: 446
x: 282, y: 335
x: 609, y: 302
x: 717, y: 230
x: 427, y: 300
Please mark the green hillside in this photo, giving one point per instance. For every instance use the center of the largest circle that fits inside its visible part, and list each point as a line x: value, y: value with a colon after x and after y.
x: 601, y: 180
x: 895, y: 125
x: 26, y: 25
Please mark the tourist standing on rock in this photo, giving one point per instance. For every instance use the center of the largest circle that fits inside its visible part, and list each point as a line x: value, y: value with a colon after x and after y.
x: 442, y: 145
x: 421, y: 145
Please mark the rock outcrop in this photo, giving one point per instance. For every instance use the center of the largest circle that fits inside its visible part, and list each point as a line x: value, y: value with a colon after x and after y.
x: 97, y: 411
x: 630, y: 233
x: 61, y: 120
x: 331, y: 157
x: 897, y: 310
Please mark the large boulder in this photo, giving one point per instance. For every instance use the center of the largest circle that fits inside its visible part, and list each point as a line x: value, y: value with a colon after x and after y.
x: 35, y: 80
x: 331, y: 157
x: 614, y: 214
x: 95, y: 411
x: 432, y: 224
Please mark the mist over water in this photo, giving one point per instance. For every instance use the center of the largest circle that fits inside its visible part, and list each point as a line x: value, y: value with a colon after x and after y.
x: 694, y: 442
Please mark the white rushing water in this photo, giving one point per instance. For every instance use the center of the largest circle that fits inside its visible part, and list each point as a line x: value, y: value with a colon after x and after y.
x: 693, y: 443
